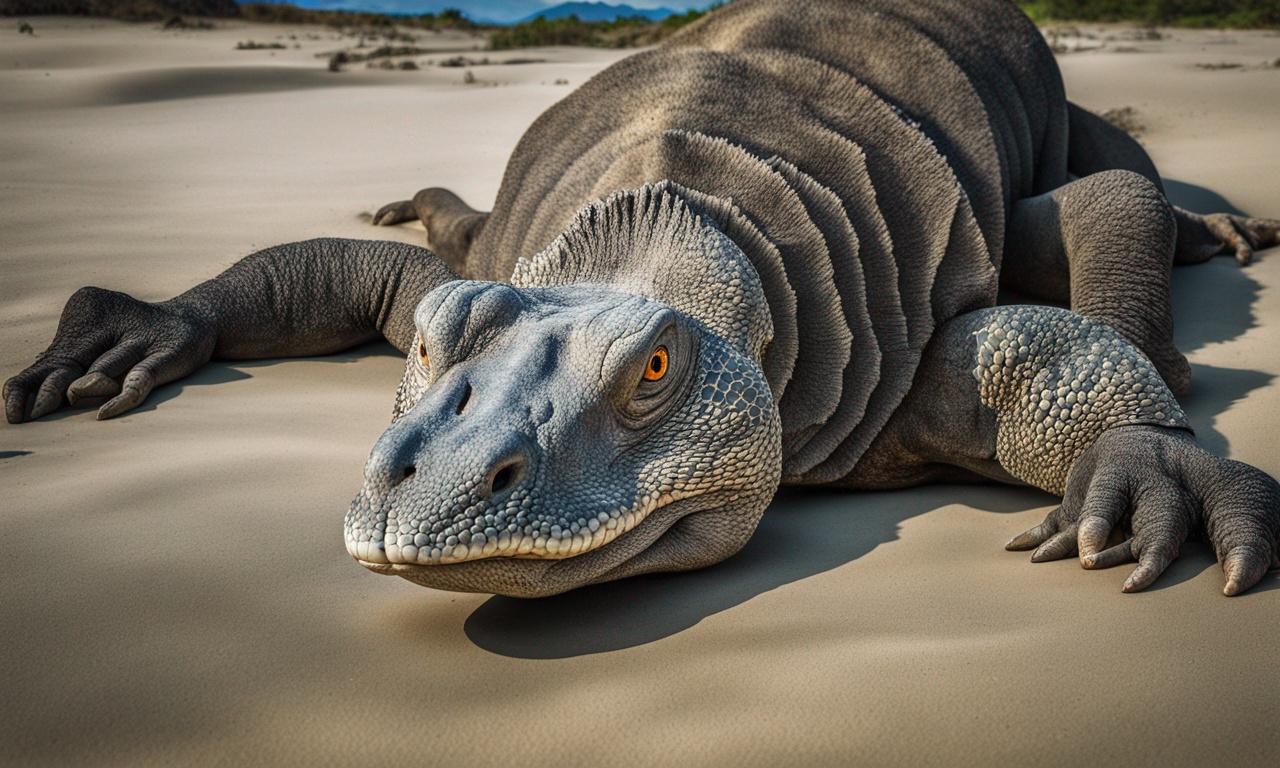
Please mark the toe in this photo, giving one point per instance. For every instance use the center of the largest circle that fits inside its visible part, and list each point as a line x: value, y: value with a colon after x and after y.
x: 49, y: 397
x: 1109, y: 558
x: 92, y: 385
x: 395, y: 213
x: 1244, y: 254
x: 1243, y: 568
x: 1092, y: 536
x: 1033, y: 537
x: 1151, y: 563
x: 1060, y: 545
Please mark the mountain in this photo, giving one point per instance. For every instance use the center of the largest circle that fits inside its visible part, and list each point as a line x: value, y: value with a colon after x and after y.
x: 500, y: 11
x: 599, y: 12
x: 484, y: 11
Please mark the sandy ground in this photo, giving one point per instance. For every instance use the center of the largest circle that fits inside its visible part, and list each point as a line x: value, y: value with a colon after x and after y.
x: 174, y: 587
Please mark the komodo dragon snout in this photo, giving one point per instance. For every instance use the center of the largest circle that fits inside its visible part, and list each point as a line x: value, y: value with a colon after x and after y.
x: 547, y: 438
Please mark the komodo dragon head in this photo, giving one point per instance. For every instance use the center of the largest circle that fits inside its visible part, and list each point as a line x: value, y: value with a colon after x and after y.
x: 603, y: 416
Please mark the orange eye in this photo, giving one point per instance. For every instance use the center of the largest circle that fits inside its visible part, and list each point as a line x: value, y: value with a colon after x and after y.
x: 657, y: 367
x: 422, y: 353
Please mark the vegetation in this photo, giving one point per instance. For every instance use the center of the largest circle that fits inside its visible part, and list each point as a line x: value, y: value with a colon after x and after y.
x: 277, y: 13
x: 619, y: 33
x: 255, y: 46
x: 1185, y: 13
x: 125, y: 10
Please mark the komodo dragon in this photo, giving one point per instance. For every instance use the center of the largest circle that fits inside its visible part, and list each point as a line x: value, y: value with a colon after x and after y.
x: 765, y: 252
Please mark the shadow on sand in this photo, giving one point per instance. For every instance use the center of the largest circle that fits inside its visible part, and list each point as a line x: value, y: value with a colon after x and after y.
x: 225, y: 372
x: 785, y: 548
x: 200, y: 82
x: 1213, y: 303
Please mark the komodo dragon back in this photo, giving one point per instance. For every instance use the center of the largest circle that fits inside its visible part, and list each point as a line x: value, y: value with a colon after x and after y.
x: 870, y: 144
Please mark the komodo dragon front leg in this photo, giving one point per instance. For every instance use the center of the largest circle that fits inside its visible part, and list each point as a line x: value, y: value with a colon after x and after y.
x: 294, y: 300
x: 1049, y: 398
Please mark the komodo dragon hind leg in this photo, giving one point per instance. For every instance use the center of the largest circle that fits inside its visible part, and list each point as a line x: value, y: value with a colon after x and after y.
x: 1105, y: 243
x: 452, y: 225
x: 1200, y: 238
x: 1097, y: 145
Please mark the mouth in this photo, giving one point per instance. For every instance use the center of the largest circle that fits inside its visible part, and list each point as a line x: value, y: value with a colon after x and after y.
x: 400, y: 554
x: 627, y: 554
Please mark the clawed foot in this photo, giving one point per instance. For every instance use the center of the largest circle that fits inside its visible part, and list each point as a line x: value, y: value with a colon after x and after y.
x: 1200, y: 238
x: 1160, y: 487
x: 109, y: 346
x: 395, y: 213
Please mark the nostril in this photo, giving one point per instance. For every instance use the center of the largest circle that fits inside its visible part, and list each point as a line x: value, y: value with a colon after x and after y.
x: 462, y: 402
x: 409, y: 472
x: 509, y: 470
x: 503, y: 479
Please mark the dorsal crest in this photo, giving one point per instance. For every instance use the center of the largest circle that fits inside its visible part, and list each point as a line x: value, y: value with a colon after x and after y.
x: 652, y: 242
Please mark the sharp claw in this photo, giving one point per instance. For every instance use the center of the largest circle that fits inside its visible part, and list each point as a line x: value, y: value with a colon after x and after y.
x: 1021, y: 542
x: 116, y: 406
x: 137, y: 385
x: 15, y: 406
x: 1061, y: 545
x: 46, y: 403
x: 1108, y: 558
x: 1032, y: 537
x: 394, y: 213
x: 112, y: 408
x: 96, y: 384
x: 1151, y: 564
x: 1092, y: 536
x: 1242, y: 572
x: 1135, y: 583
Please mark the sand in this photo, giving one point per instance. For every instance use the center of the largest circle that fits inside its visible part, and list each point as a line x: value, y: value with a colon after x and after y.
x: 174, y: 587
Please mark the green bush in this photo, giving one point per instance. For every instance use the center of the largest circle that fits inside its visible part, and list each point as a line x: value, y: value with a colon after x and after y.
x: 125, y: 10
x: 278, y: 13
x: 619, y: 33
x: 1192, y: 13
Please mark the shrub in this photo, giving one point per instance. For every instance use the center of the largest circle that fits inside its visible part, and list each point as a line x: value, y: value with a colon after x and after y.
x: 125, y: 10
x: 1193, y: 13
x: 570, y: 30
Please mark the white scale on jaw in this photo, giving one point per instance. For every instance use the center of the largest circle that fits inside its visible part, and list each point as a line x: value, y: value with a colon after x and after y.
x: 519, y: 545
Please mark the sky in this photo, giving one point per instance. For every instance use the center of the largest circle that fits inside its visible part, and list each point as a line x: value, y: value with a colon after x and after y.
x: 483, y: 10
